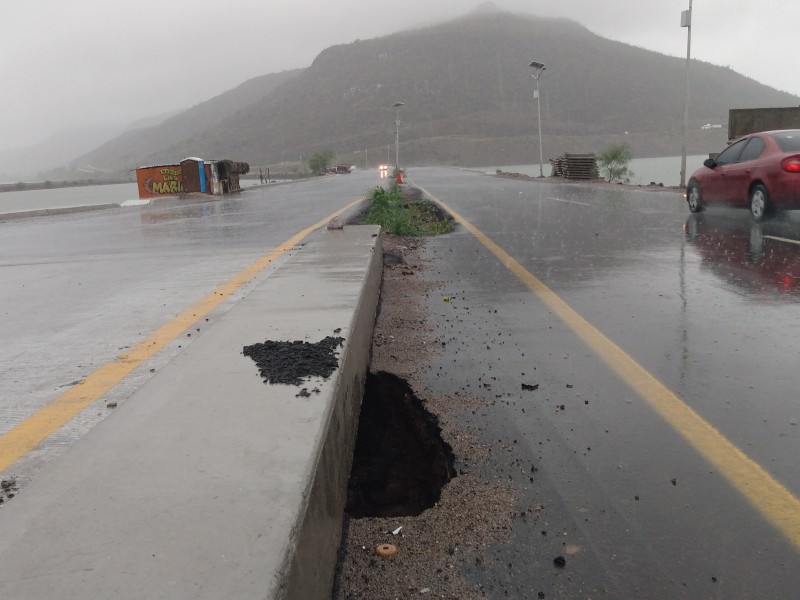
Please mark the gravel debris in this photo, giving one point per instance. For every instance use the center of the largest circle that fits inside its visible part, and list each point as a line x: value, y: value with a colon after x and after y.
x: 436, y: 547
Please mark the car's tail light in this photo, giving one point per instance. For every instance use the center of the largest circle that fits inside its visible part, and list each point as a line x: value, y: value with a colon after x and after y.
x: 791, y: 164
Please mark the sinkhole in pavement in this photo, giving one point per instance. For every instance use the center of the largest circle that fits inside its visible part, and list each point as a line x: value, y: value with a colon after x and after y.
x: 401, y: 463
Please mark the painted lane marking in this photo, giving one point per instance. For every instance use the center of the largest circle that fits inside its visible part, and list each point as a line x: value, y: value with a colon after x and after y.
x: 764, y: 493
x: 25, y: 436
x: 780, y: 239
x: 570, y: 201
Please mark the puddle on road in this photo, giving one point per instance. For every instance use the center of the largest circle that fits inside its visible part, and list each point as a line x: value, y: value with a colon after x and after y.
x: 401, y: 463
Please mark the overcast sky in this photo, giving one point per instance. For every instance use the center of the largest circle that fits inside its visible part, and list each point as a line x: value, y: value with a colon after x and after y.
x: 75, y: 63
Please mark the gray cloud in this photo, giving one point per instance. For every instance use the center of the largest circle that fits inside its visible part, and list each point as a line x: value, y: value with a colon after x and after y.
x: 84, y: 62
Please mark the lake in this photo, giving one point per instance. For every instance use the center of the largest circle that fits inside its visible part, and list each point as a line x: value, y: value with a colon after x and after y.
x: 90, y: 195
x: 664, y: 169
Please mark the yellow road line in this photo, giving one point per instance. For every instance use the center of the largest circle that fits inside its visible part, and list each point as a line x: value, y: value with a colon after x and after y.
x: 27, y: 435
x: 768, y: 496
x: 780, y: 239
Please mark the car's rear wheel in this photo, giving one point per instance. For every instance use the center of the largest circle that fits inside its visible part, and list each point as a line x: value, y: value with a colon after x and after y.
x: 759, y: 202
x: 694, y: 198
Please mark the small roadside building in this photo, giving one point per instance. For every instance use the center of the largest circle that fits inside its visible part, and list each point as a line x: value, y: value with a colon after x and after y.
x: 159, y: 180
x: 191, y: 175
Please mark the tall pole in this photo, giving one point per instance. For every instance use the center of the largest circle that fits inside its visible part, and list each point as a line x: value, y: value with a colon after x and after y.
x: 538, y: 69
x: 397, y: 106
x: 686, y: 21
x: 539, y: 112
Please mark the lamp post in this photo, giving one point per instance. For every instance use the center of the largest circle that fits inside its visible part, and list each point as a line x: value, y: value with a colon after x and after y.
x: 397, y: 106
x: 686, y: 21
x: 538, y: 69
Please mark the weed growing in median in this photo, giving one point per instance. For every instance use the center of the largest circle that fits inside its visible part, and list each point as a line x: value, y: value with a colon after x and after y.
x: 398, y: 216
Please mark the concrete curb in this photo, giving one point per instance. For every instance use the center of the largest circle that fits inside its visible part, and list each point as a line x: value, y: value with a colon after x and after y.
x: 319, y: 529
x: 46, y: 212
x: 207, y: 483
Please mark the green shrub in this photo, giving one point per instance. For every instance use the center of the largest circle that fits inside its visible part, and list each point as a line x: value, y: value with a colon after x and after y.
x: 614, y: 162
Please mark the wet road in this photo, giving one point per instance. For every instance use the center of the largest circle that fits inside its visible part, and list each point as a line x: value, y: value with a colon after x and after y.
x: 662, y: 438
x: 707, y: 307
x: 79, y: 290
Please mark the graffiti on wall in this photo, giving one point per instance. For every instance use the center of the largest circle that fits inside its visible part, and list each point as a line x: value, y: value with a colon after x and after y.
x: 159, y: 181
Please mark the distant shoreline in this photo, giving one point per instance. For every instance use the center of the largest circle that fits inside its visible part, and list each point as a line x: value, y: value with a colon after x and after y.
x: 51, y: 185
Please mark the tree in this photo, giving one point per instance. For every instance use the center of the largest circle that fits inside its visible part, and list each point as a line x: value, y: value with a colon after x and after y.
x: 614, y: 162
x: 320, y: 162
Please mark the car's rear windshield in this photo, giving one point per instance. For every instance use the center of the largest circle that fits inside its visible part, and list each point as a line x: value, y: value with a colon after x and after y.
x: 789, y: 141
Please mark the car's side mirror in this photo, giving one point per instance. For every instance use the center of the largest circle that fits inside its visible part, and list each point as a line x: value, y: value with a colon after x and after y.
x: 710, y: 163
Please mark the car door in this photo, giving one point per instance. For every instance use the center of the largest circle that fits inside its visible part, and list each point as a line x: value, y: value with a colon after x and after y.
x: 715, y: 186
x: 737, y: 175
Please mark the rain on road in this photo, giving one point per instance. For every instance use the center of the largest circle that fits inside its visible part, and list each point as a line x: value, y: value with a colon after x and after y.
x: 707, y: 306
x: 77, y: 291
x: 674, y: 476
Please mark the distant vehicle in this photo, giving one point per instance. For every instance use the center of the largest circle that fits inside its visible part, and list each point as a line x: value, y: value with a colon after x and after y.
x: 384, y: 171
x: 342, y: 169
x: 761, y: 171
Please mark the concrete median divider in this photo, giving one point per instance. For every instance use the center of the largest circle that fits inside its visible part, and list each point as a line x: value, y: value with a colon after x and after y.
x: 208, y: 482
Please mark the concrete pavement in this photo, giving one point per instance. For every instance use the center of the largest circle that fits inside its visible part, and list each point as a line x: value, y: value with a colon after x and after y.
x: 207, y: 482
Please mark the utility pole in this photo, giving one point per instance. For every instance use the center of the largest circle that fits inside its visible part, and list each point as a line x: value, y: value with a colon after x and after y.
x: 538, y: 69
x: 397, y: 106
x: 686, y: 21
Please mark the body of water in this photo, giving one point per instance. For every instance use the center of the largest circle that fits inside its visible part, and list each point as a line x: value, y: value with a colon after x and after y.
x: 664, y: 169
x: 90, y: 195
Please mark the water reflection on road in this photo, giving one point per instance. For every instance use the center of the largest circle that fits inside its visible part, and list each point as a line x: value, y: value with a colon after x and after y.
x: 759, y: 259
x: 707, y: 305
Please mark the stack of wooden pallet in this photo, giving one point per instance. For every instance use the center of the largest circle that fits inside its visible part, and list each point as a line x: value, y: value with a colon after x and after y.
x: 575, y: 166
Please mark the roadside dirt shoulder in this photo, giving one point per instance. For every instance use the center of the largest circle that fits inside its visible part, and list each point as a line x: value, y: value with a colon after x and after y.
x: 436, y: 548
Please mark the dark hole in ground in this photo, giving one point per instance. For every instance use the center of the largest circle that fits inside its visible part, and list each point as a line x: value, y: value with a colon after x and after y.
x: 400, y: 463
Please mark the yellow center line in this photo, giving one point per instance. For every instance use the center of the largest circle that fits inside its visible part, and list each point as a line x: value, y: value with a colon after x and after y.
x: 28, y: 434
x: 768, y: 496
x: 780, y: 239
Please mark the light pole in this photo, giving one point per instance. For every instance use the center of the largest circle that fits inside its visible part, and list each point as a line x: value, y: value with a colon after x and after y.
x: 538, y: 69
x: 686, y: 21
x: 397, y: 106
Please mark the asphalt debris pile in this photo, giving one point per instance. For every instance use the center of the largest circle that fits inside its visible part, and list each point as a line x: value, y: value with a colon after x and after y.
x: 8, y: 489
x: 401, y: 463
x: 292, y: 362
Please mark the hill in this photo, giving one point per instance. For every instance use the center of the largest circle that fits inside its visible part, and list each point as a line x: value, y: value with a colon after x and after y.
x: 468, y: 100
x: 132, y: 148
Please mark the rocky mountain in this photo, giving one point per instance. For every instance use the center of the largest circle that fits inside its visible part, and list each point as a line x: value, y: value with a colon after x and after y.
x: 132, y: 148
x: 468, y: 100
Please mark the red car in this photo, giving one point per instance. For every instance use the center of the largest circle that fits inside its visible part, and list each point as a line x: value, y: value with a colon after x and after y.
x: 760, y: 170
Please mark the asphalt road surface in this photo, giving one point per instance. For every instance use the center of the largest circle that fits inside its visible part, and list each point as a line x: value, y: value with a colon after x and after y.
x: 661, y: 436
x: 660, y: 430
x: 78, y: 291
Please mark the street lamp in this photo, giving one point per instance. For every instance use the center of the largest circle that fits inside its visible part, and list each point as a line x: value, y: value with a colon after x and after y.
x: 397, y: 106
x: 538, y: 69
x: 686, y: 21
